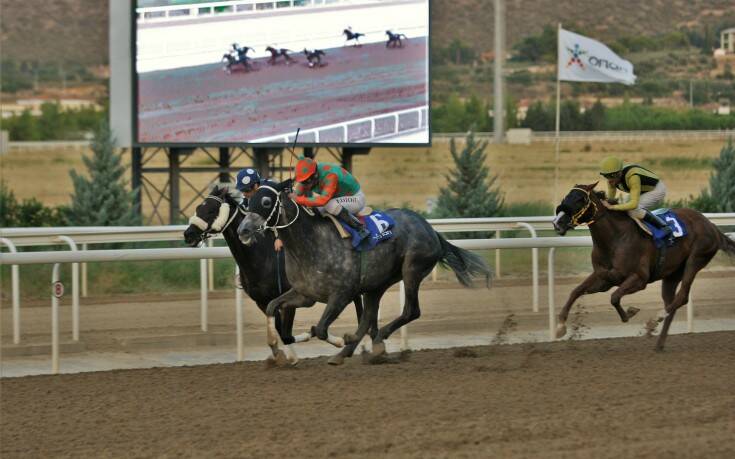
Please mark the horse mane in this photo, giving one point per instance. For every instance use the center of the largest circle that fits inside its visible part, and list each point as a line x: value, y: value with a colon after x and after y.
x: 225, y: 192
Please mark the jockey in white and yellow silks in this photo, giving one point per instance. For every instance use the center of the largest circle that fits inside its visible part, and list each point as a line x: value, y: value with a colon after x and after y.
x: 647, y: 191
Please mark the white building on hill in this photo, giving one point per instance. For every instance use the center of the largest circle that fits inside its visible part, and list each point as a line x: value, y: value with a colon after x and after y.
x: 727, y: 40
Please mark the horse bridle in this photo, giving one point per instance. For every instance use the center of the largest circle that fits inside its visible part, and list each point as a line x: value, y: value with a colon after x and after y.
x: 590, y: 203
x: 219, y: 224
x: 275, y: 227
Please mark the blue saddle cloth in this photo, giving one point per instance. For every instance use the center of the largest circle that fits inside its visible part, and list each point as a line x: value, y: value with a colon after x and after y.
x: 677, y: 226
x: 379, y: 225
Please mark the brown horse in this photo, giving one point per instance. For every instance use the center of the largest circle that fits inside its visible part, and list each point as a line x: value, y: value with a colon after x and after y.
x: 623, y: 256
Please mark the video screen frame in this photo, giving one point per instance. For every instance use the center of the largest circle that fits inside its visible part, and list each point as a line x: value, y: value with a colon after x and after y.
x: 287, y: 142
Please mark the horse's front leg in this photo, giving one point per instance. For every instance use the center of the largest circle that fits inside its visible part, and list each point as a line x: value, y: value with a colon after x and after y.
x: 335, y: 305
x: 291, y: 299
x: 633, y: 283
x: 593, y: 284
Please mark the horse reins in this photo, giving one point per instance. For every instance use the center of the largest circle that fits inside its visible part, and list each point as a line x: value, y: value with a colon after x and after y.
x: 590, y: 203
x: 276, y: 207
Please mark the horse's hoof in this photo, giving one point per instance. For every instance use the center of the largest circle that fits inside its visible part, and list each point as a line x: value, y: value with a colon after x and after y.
x: 651, y: 326
x: 561, y: 330
x: 378, y: 349
x: 337, y: 359
x: 632, y: 311
x: 280, y: 358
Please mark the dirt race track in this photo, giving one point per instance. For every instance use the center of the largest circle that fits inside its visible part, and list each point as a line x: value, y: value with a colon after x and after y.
x: 205, y: 104
x: 599, y: 398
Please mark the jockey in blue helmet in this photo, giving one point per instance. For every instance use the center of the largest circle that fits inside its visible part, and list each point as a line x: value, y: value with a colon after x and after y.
x: 248, y: 181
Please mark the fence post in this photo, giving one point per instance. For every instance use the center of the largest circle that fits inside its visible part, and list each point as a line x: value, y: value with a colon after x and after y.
x: 15, y: 291
x: 84, y: 274
x: 238, y: 315
x: 552, y: 313
x: 203, y: 293
x: 534, y: 264
x: 210, y: 267
x: 497, y: 256
x: 54, y: 321
x: 74, y: 288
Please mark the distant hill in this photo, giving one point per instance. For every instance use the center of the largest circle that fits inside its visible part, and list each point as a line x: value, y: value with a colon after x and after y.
x: 76, y: 30
x: 54, y: 30
x: 472, y: 21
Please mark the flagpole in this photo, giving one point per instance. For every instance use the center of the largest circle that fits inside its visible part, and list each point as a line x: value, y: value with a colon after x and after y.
x: 556, y: 137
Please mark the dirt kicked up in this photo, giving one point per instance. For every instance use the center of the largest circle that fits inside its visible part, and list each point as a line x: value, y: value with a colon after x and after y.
x: 601, y: 398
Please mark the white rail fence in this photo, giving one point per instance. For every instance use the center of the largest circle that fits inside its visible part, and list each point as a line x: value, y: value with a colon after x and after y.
x: 48, y: 236
x: 57, y: 258
x: 368, y: 129
x: 608, y: 136
x: 172, y: 13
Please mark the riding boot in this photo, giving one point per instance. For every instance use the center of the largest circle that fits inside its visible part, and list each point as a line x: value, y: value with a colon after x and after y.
x: 659, y: 223
x: 354, y: 223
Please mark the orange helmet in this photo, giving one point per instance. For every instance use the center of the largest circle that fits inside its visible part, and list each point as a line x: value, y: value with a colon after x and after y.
x: 305, y: 168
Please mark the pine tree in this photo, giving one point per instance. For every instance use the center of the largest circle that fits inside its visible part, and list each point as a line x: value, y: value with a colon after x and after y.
x: 721, y: 191
x: 469, y: 191
x: 101, y: 199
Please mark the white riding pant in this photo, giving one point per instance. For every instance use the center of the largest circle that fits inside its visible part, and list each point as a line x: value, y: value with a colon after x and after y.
x: 649, y: 201
x: 354, y: 204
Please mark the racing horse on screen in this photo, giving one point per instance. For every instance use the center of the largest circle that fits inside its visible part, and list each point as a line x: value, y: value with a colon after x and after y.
x: 623, y: 255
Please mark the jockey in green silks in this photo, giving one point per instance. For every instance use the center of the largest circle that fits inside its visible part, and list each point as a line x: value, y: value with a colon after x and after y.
x: 646, y: 190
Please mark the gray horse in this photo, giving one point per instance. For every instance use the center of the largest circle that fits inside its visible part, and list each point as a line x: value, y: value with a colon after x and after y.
x: 323, y: 267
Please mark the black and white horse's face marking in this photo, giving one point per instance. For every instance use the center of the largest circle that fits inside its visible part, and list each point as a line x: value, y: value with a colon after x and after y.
x: 208, y: 217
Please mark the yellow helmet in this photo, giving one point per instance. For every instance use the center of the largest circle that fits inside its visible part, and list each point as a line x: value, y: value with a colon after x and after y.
x: 610, y: 165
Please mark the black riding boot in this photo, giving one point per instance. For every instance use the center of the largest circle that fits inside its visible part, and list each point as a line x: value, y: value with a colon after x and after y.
x: 659, y: 223
x: 353, y: 222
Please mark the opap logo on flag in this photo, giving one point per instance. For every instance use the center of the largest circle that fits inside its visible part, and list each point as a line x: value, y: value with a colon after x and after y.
x: 584, y: 59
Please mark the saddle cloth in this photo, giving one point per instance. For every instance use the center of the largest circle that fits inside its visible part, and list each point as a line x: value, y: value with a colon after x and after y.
x: 677, y: 226
x: 379, y: 225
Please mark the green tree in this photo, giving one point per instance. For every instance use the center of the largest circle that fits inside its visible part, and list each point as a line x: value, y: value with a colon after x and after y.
x: 23, y: 127
x: 102, y: 199
x: 721, y: 190
x: 470, y: 190
x: 594, y: 118
x: 8, y: 208
x: 539, y: 118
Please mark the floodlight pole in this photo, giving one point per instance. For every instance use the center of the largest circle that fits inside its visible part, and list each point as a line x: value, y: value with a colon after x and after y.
x: 498, y: 110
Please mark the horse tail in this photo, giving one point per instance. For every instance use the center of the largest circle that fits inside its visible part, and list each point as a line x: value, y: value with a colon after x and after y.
x: 727, y: 245
x: 464, y: 263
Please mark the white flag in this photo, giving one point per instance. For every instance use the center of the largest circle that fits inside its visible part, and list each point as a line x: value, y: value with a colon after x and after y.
x: 584, y: 59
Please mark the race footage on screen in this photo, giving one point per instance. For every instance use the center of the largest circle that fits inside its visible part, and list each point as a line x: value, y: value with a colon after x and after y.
x: 254, y: 71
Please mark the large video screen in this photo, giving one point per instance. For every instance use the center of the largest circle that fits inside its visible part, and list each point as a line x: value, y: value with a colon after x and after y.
x: 341, y: 72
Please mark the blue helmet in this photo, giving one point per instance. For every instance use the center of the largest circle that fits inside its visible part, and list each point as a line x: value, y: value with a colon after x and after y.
x: 246, y: 179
